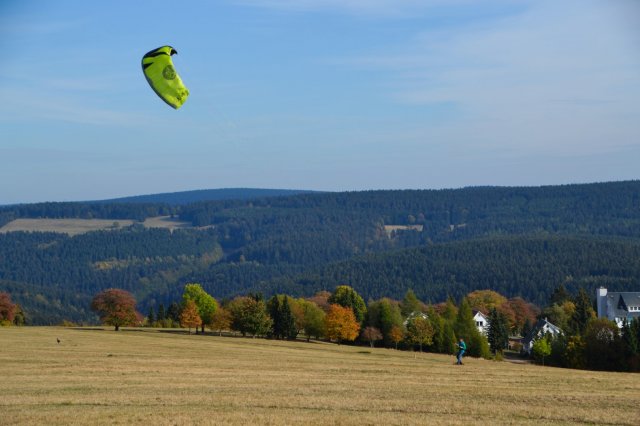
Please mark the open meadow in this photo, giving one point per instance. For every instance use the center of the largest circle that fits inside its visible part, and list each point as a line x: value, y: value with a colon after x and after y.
x: 74, y: 227
x: 96, y: 376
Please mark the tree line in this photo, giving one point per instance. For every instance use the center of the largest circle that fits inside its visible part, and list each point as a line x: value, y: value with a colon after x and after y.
x: 517, y: 241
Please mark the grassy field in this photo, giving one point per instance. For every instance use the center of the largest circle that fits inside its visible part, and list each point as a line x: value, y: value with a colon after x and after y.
x: 150, y: 377
x: 80, y: 226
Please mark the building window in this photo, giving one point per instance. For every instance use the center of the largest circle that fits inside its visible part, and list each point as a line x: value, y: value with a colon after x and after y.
x: 479, y: 323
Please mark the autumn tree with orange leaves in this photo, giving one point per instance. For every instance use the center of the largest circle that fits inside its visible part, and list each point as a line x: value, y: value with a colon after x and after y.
x: 341, y: 324
x: 189, y: 316
x: 116, y: 307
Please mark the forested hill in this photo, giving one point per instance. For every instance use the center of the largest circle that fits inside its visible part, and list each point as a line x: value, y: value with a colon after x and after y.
x: 528, y: 266
x: 187, y: 197
x: 520, y: 241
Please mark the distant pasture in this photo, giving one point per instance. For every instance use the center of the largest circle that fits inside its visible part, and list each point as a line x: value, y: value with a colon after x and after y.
x: 80, y: 226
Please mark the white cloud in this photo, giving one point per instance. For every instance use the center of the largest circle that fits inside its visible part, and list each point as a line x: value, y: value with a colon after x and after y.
x: 560, y: 77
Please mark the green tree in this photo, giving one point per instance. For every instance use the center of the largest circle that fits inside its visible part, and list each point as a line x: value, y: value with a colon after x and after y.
x: 541, y: 348
x: 465, y: 327
x: 205, y: 303
x: 19, y: 318
x: 464, y: 324
x: 283, y: 320
x: 410, y: 303
x: 438, y: 324
x: 313, y: 319
x: 583, y: 313
x: 450, y: 311
x: 560, y: 315
x: 273, y: 306
x: 161, y: 312
x: 559, y: 295
x: 498, y: 332
x: 115, y: 307
x: 575, y: 352
x: 173, y: 313
x: 629, y: 338
x: 250, y: 316
x: 346, y: 296
x: 449, y: 339
x: 151, y: 318
x: 384, y: 314
x: 420, y: 332
x: 603, y: 346
x: 289, y: 329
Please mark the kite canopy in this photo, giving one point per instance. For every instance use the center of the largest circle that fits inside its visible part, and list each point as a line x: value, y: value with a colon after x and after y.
x: 162, y: 76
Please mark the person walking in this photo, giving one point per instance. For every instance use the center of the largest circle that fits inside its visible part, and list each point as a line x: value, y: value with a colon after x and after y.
x: 462, y: 347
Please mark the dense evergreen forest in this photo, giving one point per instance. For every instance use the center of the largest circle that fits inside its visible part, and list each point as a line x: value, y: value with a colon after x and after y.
x: 188, y: 197
x: 518, y: 241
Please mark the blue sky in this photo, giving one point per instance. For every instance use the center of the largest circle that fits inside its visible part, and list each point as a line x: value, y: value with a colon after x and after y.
x: 317, y: 94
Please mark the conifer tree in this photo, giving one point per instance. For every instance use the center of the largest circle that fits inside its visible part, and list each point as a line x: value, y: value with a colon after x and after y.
x: 465, y: 328
x: 289, y: 330
x: 409, y: 304
x: 274, y: 312
x: 560, y: 295
x: 161, y: 312
x: 583, y: 313
x: 629, y: 339
x: 151, y: 318
x: 498, y: 333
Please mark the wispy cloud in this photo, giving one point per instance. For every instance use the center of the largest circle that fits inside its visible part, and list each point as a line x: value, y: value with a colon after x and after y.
x: 507, y: 76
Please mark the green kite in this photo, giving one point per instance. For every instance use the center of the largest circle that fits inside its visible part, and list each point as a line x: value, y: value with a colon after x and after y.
x: 162, y: 76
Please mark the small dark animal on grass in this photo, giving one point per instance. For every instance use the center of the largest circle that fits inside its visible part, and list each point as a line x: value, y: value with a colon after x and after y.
x: 58, y: 340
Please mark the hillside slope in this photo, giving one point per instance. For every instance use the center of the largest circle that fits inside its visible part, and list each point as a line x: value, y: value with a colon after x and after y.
x: 519, y: 241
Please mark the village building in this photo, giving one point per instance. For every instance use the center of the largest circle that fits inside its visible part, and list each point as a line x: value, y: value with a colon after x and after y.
x: 481, y: 321
x: 618, y: 306
x: 539, y: 330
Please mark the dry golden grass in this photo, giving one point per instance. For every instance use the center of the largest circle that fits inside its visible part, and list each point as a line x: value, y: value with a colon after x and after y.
x: 150, y: 377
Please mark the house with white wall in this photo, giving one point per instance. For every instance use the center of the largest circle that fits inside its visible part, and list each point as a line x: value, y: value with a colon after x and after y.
x: 618, y: 305
x: 482, y: 322
x: 413, y: 315
x: 539, y: 330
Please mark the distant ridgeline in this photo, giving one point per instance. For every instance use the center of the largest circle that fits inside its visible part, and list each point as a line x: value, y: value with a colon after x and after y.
x: 517, y: 241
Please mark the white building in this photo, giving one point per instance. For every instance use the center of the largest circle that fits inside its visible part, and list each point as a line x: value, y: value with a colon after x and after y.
x: 413, y: 315
x: 617, y: 306
x: 540, y: 329
x: 482, y: 322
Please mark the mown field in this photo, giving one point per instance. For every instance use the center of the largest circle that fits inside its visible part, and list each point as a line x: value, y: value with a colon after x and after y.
x: 96, y: 376
x: 80, y: 226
